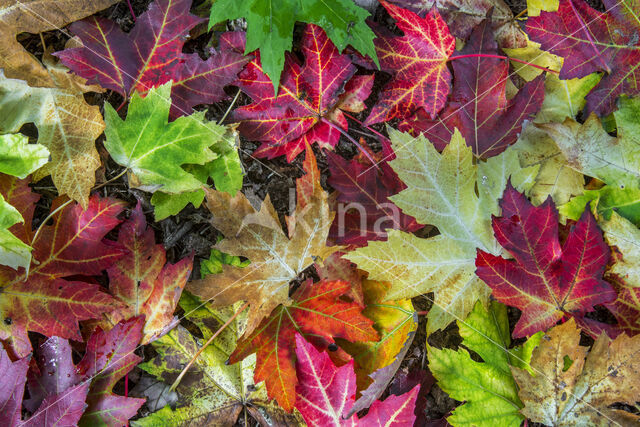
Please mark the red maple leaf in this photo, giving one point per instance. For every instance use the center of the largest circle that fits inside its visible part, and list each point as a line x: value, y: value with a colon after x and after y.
x: 365, y: 212
x: 47, y: 300
x: 151, y: 55
x: 544, y: 280
x: 61, y: 393
x: 591, y: 41
x: 318, y: 313
x: 143, y: 281
x: 326, y: 393
x: 478, y: 106
x: 417, y: 62
x: 310, y: 97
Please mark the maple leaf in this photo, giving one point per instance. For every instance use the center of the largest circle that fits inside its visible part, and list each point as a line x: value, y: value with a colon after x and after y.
x: 62, y: 408
x: 562, y: 99
x: 623, y: 236
x: 605, y: 201
x: 544, y: 280
x: 326, y: 393
x: 316, y: 311
x: 488, y: 388
x: 591, y: 41
x: 12, y: 387
x: 150, y: 56
x: 366, y: 188
x: 583, y: 392
x: 276, y: 258
x: 36, y: 16
x: 58, y: 389
x: 591, y: 150
x: 270, y: 27
x: 478, y: 106
x: 44, y: 301
x: 143, y: 281
x: 417, y: 62
x: 395, y: 322
x: 154, y: 150
x: 449, y: 191
x: 462, y: 16
x: 17, y: 158
x: 212, y: 391
x: 226, y: 171
x: 311, y: 97
x: 67, y: 127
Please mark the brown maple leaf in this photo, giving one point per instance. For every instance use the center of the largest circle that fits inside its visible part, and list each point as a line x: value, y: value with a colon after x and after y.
x: 36, y: 16
x: 574, y: 386
x: 276, y: 258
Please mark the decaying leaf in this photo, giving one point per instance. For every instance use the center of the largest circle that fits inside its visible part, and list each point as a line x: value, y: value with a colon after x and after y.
x: 276, y: 258
x: 67, y: 127
x: 36, y: 16
x: 580, y: 394
x: 212, y: 391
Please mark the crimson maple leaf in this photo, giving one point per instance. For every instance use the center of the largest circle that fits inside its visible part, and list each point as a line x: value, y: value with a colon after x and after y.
x: 45, y: 299
x: 63, y: 394
x: 591, y: 41
x: 318, y: 313
x: 310, y: 97
x: 365, y: 211
x: 143, y: 281
x: 325, y: 393
x: 544, y: 280
x: 417, y: 62
x: 151, y: 55
x: 478, y: 106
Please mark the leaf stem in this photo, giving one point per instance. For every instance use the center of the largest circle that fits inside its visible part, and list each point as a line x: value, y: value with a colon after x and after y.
x: 131, y: 10
x: 350, y: 138
x: 370, y: 129
x: 486, y: 55
x: 209, y: 341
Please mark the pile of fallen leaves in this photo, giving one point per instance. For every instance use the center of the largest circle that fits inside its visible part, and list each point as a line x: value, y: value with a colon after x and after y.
x: 498, y: 179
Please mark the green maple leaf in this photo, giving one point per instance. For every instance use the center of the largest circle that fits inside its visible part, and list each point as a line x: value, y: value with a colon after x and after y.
x: 158, y: 153
x: 17, y: 158
x: 625, y: 237
x: 604, y: 201
x: 270, y: 26
x: 211, y: 391
x: 487, y: 387
x: 441, y: 191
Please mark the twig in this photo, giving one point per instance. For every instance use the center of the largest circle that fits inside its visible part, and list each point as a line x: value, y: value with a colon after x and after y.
x: 235, y: 98
x: 350, y: 138
x: 209, y: 341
